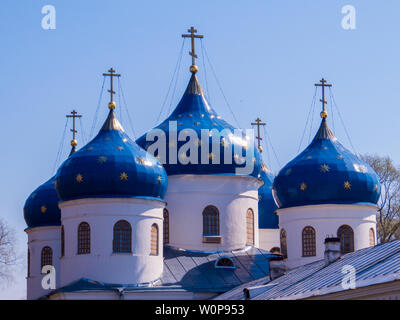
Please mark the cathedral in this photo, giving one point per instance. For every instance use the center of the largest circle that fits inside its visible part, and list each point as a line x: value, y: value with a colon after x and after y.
x: 190, y: 210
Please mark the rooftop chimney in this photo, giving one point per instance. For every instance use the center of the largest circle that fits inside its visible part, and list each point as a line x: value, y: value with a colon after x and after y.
x: 332, y: 250
x: 277, y: 267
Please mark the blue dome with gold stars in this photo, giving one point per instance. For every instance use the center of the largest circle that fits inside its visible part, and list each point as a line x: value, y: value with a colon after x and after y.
x: 193, y: 114
x: 41, y: 207
x: 326, y: 173
x: 267, y: 218
x: 111, y: 166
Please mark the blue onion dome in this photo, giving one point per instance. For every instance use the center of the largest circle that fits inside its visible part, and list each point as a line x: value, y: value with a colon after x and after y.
x: 326, y: 173
x: 194, y: 114
x: 267, y: 218
x: 41, y: 207
x: 111, y: 166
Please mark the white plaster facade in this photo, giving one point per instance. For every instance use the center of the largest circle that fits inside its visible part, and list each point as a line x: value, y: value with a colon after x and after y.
x: 38, y: 238
x: 269, y: 238
x: 188, y: 195
x: 325, y: 219
x: 101, y: 263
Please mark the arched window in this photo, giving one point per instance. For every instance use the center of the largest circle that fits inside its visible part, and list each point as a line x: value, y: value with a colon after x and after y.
x: 29, y: 263
x: 47, y: 257
x: 283, y: 243
x: 122, y: 241
x: 276, y: 250
x: 224, y: 262
x: 154, y: 240
x: 371, y: 237
x: 62, y: 241
x: 166, y: 227
x: 83, y: 238
x: 346, y: 235
x: 250, y: 227
x: 308, y: 241
x: 210, y: 221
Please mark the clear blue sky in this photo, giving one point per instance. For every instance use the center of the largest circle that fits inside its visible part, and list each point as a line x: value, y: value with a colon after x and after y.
x: 267, y: 55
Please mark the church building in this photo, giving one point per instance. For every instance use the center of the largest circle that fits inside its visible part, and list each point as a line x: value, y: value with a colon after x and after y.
x: 190, y: 210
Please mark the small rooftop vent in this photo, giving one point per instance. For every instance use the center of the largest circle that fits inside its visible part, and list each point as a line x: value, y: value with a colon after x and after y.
x: 225, y: 262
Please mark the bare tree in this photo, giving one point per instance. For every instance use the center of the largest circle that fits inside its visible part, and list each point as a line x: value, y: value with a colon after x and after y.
x: 388, y: 217
x: 8, y: 257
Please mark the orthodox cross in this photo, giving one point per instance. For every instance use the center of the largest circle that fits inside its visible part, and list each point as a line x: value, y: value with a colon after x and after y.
x: 192, y: 35
x: 111, y: 74
x: 73, y: 115
x: 258, y: 123
x: 323, y: 84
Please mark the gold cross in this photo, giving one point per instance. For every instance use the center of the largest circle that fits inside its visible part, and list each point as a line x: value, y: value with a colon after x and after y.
x: 73, y: 115
x: 323, y: 84
x: 192, y: 35
x: 111, y: 74
x: 258, y: 123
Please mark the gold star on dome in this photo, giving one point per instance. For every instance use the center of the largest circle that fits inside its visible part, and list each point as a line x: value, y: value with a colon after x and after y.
x: 347, y: 185
x: 123, y: 176
x: 79, y: 178
x: 339, y: 157
x: 202, y: 115
x: 376, y: 188
x: 303, y: 187
x: 159, y: 179
x: 190, y: 115
x: 124, y: 140
x: 324, y: 168
x: 101, y: 159
x: 43, y: 209
x: 325, y: 148
x: 120, y: 148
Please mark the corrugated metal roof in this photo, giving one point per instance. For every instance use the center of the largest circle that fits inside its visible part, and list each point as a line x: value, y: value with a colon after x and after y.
x: 371, y: 265
x: 193, y: 271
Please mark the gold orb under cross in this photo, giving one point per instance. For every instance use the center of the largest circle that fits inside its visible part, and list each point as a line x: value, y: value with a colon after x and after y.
x: 112, y: 105
x: 324, y: 114
x: 194, y: 68
x: 74, y: 143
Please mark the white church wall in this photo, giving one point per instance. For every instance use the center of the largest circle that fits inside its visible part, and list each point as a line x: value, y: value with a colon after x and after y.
x: 38, y: 238
x: 325, y: 219
x: 101, y: 263
x: 268, y: 239
x: 188, y: 195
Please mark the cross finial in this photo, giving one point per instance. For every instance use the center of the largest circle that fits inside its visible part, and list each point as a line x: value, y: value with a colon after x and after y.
x: 73, y: 115
x: 258, y: 123
x: 111, y: 74
x: 323, y: 84
x: 192, y: 35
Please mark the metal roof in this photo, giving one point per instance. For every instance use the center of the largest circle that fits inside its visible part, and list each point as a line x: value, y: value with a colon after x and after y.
x: 192, y: 271
x: 373, y: 265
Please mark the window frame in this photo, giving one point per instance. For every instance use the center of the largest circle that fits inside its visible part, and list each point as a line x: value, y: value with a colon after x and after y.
x: 154, y: 243
x: 308, y: 242
x: 283, y: 248
x: 345, y: 228
x: 45, y: 257
x: 165, y: 226
x: 252, y: 238
x: 84, y: 238
x: 122, y: 244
